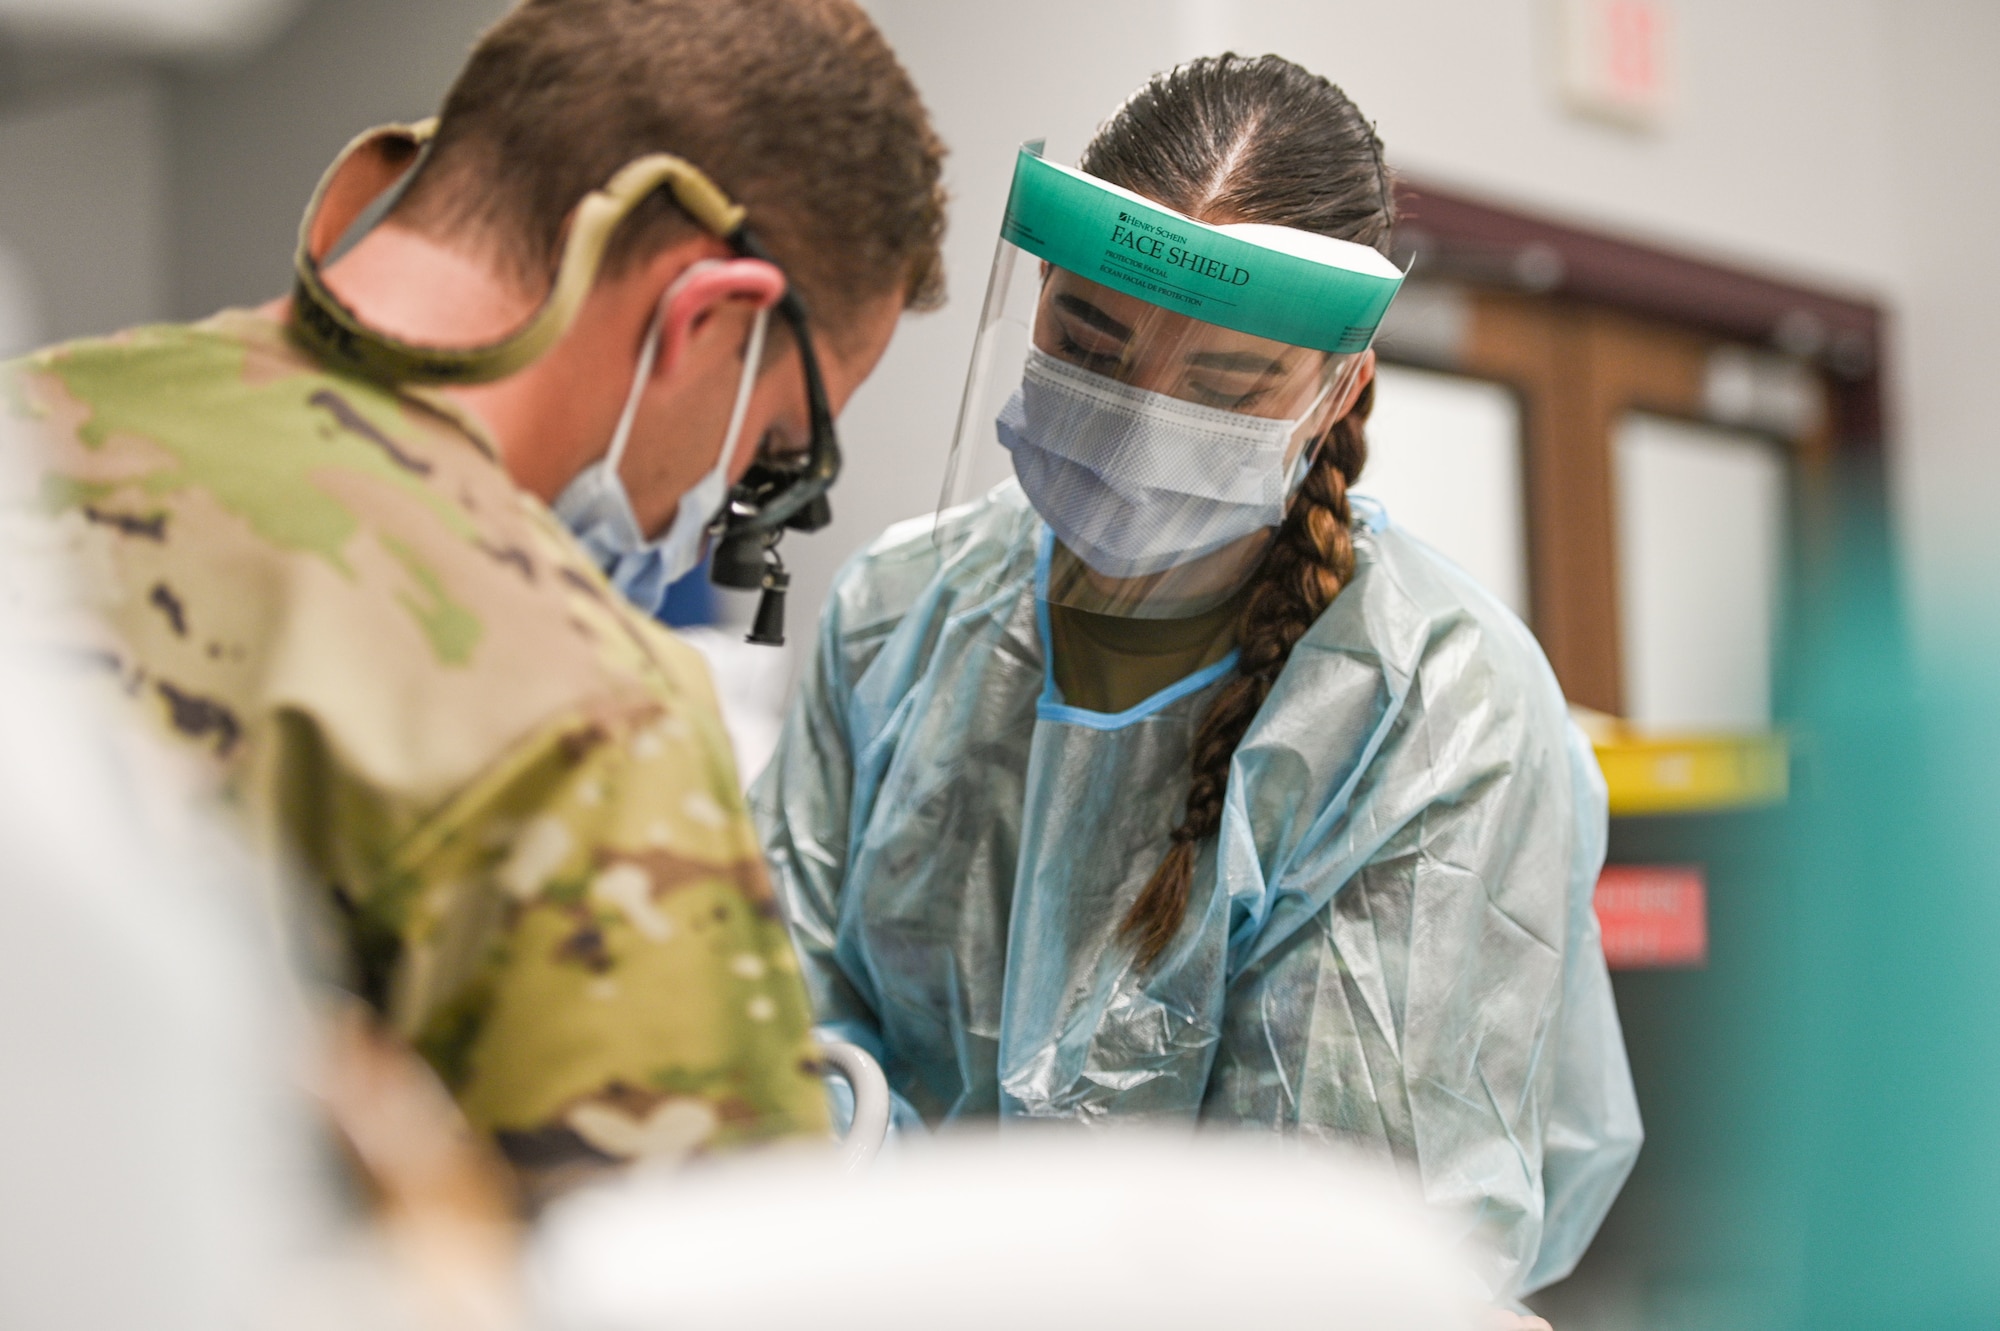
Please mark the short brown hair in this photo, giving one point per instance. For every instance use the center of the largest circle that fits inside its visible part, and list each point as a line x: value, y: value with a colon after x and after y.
x: 798, y: 109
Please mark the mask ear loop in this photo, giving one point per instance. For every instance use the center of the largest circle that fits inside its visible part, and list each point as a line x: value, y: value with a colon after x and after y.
x: 1310, y: 454
x: 649, y: 357
x: 753, y: 363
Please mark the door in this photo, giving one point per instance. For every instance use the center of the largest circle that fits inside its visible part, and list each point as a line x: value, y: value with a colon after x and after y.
x: 1624, y: 484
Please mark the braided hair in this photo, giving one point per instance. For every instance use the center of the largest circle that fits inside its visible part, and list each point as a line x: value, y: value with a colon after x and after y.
x: 1234, y: 139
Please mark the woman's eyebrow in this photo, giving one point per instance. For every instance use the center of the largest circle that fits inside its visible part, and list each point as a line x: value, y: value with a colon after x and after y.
x: 1237, y: 362
x: 1096, y: 318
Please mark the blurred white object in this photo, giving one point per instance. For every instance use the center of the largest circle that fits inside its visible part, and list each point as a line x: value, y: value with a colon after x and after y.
x: 1701, y: 547
x: 1430, y: 323
x: 1763, y: 390
x: 163, y: 1166
x: 1444, y: 457
x: 154, y: 1161
x: 751, y: 683
x: 870, y: 1125
x: 1046, y: 1230
x: 175, y: 27
x: 20, y: 307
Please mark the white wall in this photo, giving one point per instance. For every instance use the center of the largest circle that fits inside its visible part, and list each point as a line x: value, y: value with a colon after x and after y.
x: 1776, y: 152
x: 249, y: 140
x: 1944, y: 123
x: 83, y: 204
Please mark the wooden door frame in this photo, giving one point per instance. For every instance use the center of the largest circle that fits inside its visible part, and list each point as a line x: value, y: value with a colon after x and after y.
x: 1520, y: 262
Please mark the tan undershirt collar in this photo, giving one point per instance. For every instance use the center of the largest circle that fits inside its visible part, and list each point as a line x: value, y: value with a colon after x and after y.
x: 1112, y: 663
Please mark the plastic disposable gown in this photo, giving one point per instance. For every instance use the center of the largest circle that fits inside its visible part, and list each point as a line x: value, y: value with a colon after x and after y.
x: 1389, y: 943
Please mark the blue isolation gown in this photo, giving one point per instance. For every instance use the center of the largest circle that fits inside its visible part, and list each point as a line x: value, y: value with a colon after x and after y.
x: 1389, y: 944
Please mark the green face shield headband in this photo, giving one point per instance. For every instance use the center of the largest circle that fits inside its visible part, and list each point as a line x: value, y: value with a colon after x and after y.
x: 774, y: 496
x: 1274, y: 282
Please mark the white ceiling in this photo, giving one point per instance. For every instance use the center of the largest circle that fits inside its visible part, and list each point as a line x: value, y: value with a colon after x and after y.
x: 152, y: 27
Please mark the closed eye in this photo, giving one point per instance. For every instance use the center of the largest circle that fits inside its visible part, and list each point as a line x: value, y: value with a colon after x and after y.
x: 1228, y: 401
x: 1076, y: 353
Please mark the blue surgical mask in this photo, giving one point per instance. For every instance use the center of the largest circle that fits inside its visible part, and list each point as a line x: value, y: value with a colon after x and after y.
x: 1136, y: 482
x: 598, y: 511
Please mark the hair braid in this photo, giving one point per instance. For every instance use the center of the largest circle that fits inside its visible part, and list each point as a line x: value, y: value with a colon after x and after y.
x: 1234, y: 139
x: 1308, y: 563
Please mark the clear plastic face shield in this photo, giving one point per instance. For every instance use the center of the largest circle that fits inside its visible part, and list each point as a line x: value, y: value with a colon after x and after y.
x: 1160, y: 386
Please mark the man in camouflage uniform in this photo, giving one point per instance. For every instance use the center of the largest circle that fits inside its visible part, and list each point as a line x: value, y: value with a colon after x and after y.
x: 412, y: 684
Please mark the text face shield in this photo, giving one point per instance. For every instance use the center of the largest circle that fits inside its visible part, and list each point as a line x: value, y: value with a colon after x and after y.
x: 1158, y: 385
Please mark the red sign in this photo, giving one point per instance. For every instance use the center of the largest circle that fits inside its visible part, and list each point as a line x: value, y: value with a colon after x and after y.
x: 1633, y: 29
x: 1616, y: 59
x: 1654, y: 916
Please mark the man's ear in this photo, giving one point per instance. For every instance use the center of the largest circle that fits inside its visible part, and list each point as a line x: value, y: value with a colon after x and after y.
x: 702, y: 289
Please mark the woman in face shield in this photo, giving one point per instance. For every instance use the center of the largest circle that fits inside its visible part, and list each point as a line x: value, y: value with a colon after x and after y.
x: 1167, y: 782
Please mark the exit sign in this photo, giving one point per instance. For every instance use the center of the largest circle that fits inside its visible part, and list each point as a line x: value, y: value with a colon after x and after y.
x: 1615, y: 59
x: 1653, y: 916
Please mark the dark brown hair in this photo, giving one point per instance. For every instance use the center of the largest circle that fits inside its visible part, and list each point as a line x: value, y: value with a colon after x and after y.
x: 798, y: 109
x: 1230, y: 139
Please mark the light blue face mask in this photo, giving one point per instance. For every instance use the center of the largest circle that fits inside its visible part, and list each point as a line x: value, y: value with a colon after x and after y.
x: 1136, y: 482
x: 598, y: 510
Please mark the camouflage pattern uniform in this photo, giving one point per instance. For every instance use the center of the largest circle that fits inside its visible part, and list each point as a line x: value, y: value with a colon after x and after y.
x: 515, y: 790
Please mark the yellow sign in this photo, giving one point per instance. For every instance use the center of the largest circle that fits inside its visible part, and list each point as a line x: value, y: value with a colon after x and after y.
x: 1690, y: 773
